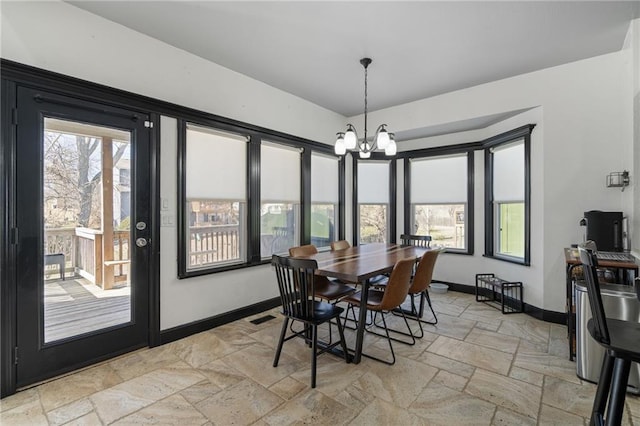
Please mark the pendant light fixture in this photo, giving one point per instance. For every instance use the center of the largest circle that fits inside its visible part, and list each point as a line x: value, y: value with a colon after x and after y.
x: 348, y: 140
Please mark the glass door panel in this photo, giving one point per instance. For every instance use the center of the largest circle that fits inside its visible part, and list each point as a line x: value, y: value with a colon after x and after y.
x: 87, y: 228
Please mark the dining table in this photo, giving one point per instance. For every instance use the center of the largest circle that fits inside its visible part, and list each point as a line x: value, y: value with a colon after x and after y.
x: 359, y: 264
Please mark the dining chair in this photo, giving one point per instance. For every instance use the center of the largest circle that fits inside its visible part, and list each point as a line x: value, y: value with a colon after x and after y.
x: 420, y: 282
x: 340, y: 245
x: 620, y: 340
x: 420, y: 286
x: 395, y: 292
x: 416, y: 240
x: 296, y: 284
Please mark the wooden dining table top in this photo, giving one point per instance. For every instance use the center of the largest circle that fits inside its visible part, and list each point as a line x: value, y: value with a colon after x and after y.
x: 357, y: 264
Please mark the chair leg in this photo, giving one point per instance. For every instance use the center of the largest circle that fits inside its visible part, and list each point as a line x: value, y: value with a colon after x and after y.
x: 343, y: 342
x: 393, y: 355
x: 602, y: 392
x: 314, y: 355
x: 619, y: 382
x: 281, y: 341
x: 387, y: 329
x: 435, y: 318
x: 351, y: 308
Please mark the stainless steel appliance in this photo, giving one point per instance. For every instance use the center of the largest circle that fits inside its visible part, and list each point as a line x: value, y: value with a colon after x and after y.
x: 620, y: 302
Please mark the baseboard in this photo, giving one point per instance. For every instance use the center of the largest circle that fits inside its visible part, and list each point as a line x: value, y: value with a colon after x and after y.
x: 182, y: 331
x: 534, y: 311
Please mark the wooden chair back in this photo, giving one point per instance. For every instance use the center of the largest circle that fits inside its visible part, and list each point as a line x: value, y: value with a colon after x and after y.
x: 340, y: 245
x: 416, y: 240
x: 306, y: 250
x: 589, y: 266
x: 296, y: 285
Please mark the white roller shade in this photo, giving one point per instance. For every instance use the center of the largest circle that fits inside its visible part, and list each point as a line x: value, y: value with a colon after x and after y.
x: 373, y: 182
x: 279, y: 173
x: 438, y: 180
x: 215, y: 165
x: 508, y: 172
x: 324, y: 179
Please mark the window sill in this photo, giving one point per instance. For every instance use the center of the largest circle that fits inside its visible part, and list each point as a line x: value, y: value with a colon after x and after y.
x: 457, y: 251
x: 224, y: 268
x: 516, y: 260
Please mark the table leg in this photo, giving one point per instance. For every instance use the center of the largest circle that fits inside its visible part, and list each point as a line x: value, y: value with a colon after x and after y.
x: 361, y: 322
x: 570, y: 322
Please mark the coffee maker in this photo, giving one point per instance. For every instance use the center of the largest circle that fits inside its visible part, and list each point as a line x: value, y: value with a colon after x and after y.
x: 605, y: 228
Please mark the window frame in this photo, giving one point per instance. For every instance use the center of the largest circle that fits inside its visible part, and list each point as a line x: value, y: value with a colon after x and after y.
x: 252, y: 236
x: 391, y: 209
x: 184, y: 268
x: 338, y: 211
x: 295, y: 204
x: 467, y: 150
x: 491, y: 227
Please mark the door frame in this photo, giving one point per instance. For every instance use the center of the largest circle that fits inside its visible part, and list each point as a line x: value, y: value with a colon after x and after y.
x: 14, y: 75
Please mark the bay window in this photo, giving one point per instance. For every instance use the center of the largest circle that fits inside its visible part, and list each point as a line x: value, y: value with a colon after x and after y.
x: 439, y: 198
x: 373, y: 201
x: 507, y: 196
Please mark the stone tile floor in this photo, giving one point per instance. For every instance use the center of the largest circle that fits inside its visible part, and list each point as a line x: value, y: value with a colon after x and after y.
x: 475, y: 367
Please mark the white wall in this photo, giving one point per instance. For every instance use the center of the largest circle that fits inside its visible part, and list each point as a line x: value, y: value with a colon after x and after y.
x: 183, y: 301
x: 59, y: 37
x: 584, y: 131
x: 91, y: 48
x: 632, y: 43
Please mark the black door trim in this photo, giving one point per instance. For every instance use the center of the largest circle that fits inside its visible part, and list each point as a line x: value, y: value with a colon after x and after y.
x: 8, y: 296
x: 8, y: 122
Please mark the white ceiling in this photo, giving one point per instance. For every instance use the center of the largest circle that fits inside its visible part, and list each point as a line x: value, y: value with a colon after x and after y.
x: 419, y: 49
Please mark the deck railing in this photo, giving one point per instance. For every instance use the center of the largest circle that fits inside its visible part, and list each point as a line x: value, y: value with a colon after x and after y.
x: 61, y: 240
x: 82, y: 248
x: 213, y: 244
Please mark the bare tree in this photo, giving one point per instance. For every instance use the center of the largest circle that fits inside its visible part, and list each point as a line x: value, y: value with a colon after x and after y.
x: 72, y: 179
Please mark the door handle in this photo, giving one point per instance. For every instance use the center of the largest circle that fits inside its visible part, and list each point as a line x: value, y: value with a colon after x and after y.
x: 141, y: 242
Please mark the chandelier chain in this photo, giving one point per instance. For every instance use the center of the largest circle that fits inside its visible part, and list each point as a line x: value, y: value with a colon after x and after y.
x: 365, y: 103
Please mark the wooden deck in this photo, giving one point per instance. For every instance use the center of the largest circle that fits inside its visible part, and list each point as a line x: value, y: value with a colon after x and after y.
x: 71, y: 309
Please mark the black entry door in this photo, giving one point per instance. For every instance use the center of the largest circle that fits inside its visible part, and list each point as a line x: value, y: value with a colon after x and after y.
x: 82, y: 217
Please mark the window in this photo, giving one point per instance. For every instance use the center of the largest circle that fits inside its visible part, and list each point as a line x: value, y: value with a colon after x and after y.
x: 280, y: 198
x: 215, y: 192
x: 507, y: 195
x: 439, y: 196
x: 508, y: 199
x: 324, y: 199
x: 240, y: 195
x: 373, y: 202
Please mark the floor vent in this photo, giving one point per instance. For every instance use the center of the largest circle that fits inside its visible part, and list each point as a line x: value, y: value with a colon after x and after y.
x: 262, y: 319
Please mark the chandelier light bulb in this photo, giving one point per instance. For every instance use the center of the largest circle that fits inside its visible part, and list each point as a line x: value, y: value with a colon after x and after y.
x: 350, y: 138
x: 365, y: 154
x: 340, y: 149
x: 383, y: 138
x: 391, y: 149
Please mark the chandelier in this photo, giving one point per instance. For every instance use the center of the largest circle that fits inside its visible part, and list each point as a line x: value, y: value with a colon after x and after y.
x: 348, y: 140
